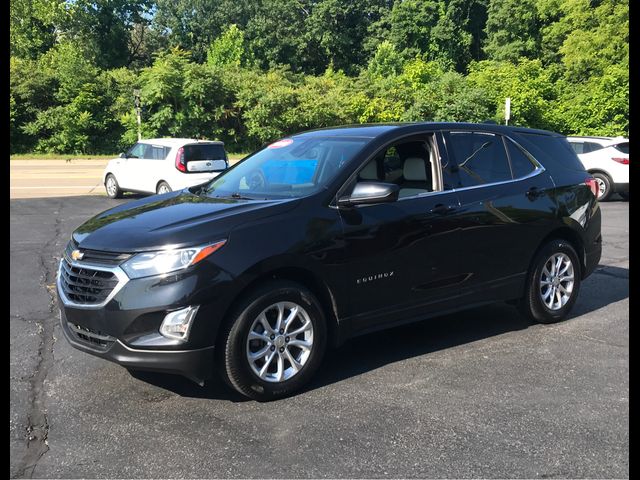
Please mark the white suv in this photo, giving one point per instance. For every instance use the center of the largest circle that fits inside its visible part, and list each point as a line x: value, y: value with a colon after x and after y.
x: 161, y: 165
x: 607, y: 159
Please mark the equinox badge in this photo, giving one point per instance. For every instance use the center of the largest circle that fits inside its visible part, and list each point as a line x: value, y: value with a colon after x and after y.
x: 371, y: 278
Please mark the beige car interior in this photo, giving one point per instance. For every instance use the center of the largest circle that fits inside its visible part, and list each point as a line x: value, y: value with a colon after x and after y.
x: 410, y: 165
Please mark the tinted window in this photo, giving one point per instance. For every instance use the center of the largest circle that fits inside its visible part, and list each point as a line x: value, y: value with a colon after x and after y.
x: 592, y: 147
x: 204, y: 152
x: 480, y: 158
x: 156, y: 152
x: 578, y: 147
x: 622, y: 147
x: 546, y: 149
x: 521, y: 166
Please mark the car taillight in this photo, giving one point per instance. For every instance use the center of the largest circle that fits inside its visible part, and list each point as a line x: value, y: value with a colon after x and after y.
x: 593, y: 185
x: 624, y: 161
x: 180, y: 160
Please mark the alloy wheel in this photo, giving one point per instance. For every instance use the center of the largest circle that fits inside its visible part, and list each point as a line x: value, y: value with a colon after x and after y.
x: 280, y: 341
x: 112, y: 188
x: 556, y: 281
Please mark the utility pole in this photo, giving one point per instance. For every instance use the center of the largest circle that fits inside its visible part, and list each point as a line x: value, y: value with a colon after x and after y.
x: 507, y: 110
x: 136, y: 101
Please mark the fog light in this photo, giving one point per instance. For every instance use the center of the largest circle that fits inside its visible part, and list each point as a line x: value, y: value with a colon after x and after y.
x: 177, y: 324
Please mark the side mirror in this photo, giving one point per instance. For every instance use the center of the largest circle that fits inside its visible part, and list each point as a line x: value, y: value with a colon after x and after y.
x: 122, y: 155
x: 369, y: 193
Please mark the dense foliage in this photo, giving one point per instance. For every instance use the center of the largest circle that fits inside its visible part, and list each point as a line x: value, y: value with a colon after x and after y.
x: 250, y: 71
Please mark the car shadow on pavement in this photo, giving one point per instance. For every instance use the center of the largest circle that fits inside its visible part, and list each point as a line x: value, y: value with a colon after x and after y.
x: 374, y: 350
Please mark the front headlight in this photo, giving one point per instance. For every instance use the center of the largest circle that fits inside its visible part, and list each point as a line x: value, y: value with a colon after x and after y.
x: 166, y: 261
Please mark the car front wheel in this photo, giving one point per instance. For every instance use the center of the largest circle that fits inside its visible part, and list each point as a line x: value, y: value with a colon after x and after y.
x: 553, y: 283
x: 273, y: 342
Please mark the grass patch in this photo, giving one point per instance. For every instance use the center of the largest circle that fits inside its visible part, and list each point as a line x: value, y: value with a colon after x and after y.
x: 62, y: 156
x: 58, y: 156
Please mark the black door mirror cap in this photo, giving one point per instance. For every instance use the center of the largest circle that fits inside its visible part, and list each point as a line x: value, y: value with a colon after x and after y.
x: 122, y: 155
x: 370, y: 193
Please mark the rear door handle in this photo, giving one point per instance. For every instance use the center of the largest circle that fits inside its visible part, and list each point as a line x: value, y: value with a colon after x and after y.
x: 442, y: 209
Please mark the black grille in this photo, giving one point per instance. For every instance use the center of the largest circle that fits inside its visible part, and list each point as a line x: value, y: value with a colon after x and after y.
x: 85, y: 285
x: 98, y: 256
x: 92, y: 337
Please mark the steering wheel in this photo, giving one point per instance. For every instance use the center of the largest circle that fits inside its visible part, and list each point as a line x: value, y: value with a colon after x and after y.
x: 256, y: 180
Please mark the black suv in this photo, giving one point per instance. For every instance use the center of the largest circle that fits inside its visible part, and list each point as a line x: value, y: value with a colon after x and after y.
x: 325, y: 235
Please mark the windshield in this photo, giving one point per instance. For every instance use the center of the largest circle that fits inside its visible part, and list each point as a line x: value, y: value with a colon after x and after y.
x: 288, y: 168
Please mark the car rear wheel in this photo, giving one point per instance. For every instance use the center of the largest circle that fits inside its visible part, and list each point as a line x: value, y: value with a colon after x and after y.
x: 112, y: 187
x: 553, y: 283
x: 163, y: 187
x: 273, y: 342
x: 604, y: 186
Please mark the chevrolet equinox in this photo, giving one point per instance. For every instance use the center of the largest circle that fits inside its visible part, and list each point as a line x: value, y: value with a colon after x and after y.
x: 325, y: 235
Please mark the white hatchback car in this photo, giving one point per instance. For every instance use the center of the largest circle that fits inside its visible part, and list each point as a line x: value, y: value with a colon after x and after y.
x: 161, y: 165
x: 607, y: 159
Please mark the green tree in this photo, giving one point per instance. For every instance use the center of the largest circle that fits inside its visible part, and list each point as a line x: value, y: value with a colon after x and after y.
x: 411, y: 23
x: 599, y: 106
x: 386, y: 61
x: 32, y: 26
x: 194, y: 25
x: 338, y: 29
x: 275, y: 35
x: 512, y: 30
x: 228, y: 49
x: 531, y: 88
x: 104, y: 28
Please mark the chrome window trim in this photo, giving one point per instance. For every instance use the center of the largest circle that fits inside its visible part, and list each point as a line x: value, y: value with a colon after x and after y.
x: 116, y: 270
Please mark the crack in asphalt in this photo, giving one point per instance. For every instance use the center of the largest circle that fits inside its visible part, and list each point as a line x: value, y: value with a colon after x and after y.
x: 37, y: 428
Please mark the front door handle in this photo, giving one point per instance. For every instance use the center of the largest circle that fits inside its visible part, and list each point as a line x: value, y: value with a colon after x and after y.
x: 442, y: 209
x: 534, y: 192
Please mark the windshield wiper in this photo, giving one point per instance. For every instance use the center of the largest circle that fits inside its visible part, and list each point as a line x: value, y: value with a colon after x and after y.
x: 235, y: 196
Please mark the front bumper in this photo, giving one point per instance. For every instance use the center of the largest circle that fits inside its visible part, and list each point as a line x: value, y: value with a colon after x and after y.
x: 193, y: 364
x: 125, y: 328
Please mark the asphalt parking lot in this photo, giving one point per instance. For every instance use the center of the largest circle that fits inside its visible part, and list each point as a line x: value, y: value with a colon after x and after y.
x: 476, y: 394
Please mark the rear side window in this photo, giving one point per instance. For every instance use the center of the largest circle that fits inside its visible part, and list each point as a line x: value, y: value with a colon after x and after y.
x: 204, y: 152
x: 480, y: 158
x: 521, y: 166
x: 592, y: 147
x: 578, y: 147
x: 156, y: 152
x: 549, y: 150
x: 622, y: 147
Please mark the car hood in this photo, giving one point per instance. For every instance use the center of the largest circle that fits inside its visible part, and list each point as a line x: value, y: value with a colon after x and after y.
x: 179, y: 219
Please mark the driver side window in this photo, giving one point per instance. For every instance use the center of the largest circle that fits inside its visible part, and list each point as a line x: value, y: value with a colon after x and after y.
x: 408, y: 164
x: 137, y: 151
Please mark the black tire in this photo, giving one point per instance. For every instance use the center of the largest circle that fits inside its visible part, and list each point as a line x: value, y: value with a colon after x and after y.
x: 606, y: 182
x: 162, y: 185
x: 532, y: 305
x: 231, y: 347
x: 624, y: 195
x: 111, y: 193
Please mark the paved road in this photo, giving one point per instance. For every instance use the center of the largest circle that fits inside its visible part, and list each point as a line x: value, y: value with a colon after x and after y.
x: 476, y: 394
x: 59, y: 178
x: 55, y: 178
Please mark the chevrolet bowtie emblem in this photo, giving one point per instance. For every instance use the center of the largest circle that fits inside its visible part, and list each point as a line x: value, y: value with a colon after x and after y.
x: 77, y: 255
